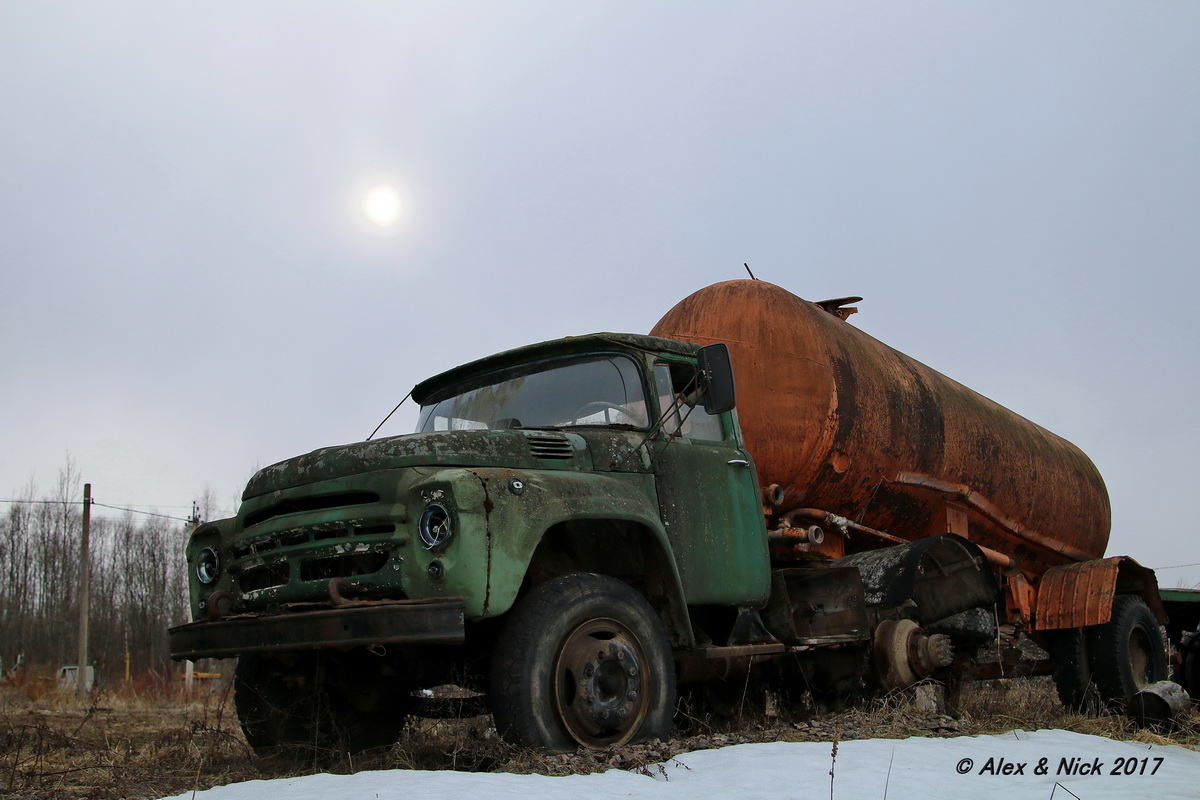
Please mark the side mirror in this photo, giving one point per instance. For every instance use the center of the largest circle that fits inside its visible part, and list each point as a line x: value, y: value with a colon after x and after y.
x: 716, y: 378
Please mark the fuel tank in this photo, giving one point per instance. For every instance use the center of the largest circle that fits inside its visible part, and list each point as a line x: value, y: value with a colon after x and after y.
x: 838, y: 421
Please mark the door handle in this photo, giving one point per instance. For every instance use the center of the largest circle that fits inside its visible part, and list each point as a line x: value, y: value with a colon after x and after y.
x: 738, y: 462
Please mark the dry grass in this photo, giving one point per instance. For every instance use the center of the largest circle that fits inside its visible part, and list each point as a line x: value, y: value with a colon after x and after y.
x: 147, y: 744
x: 54, y: 744
x: 995, y: 707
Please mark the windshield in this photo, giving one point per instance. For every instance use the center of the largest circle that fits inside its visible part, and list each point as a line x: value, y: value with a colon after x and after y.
x: 596, y: 390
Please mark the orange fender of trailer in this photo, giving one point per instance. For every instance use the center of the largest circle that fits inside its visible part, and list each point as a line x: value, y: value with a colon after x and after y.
x: 1077, y: 595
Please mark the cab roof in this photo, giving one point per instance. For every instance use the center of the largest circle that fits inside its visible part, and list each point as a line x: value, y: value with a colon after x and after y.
x: 571, y: 345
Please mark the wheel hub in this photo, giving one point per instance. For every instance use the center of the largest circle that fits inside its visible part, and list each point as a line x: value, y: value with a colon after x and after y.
x: 601, y: 683
x: 1140, y: 661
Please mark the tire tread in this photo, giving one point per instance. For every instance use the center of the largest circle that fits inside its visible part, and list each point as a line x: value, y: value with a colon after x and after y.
x: 513, y: 687
x: 1108, y: 647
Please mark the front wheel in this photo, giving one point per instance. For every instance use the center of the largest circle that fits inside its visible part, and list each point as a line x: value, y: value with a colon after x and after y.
x: 582, y: 661
x: 308, y: 707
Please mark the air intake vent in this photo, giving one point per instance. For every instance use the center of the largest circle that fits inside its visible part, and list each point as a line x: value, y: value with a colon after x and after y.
x: 549, y: 445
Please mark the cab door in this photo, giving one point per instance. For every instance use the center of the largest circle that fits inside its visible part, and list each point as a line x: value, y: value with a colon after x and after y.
x: 709, y: 499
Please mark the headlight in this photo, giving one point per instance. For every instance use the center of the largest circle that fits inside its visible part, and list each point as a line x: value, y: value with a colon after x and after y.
x: 208, y: 565
x: 435, y: 526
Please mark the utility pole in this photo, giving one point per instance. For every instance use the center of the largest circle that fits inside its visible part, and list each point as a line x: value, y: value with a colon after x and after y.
x: 84, y: 580
x: 189, y: 666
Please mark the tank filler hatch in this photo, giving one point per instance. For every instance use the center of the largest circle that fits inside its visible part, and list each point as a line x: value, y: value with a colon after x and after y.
x: 840, y: 306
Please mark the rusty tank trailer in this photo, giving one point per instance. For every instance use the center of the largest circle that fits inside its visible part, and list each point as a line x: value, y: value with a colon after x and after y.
x: 839, y: 422
x: 860, y: 449
x: 579, y: 527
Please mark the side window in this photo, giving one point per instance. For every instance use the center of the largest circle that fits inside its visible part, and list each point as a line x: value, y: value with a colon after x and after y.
x: 673, y: 382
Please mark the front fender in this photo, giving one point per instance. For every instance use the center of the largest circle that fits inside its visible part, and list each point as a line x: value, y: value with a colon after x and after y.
x: 524, y: 504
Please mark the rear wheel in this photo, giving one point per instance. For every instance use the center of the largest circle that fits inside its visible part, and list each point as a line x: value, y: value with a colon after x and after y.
x: 582, y: 661
x: 1072, y: 669
x: 1127, y: 653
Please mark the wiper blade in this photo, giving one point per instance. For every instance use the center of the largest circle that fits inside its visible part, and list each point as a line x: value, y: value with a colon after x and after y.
x: 624, y: 426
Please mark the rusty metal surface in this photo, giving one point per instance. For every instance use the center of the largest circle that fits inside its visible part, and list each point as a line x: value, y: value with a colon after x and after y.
x: 704, y: 664
x: 600, y: 682
x: 1075, y: 595
x: 902, y: 653
x: 839, y: 523
x: 412, y: 621
x: 834, y: 417
x: 1020, y: 598
x: 977, y: 502
x: 815, y: 603
x: 1006, y: 564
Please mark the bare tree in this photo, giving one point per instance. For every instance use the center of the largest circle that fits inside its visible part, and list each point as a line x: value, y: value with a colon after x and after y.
x: 138, y: 583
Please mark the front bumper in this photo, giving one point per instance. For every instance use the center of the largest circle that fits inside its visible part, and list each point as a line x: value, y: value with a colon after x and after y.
x: 438, y: 621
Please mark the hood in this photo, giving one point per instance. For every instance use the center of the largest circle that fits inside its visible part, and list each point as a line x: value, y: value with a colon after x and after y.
x: 491, y: 448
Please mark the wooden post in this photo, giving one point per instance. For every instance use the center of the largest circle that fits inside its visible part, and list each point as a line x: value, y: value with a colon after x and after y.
x: 84, y: 580
x: 189, y: 666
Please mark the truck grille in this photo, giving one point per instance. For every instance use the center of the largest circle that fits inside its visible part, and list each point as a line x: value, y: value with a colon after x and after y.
x: 343, y: 566
x: 263, y: 576
x: 362, y: 558
x: 265, y: 544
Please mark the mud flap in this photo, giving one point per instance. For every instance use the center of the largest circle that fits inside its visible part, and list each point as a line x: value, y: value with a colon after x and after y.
x: 929, y: 580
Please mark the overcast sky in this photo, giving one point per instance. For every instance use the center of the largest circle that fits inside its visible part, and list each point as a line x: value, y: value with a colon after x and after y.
x: 191, y: 288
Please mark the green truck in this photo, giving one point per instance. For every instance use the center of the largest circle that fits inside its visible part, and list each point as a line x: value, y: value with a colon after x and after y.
x: 578, y: 531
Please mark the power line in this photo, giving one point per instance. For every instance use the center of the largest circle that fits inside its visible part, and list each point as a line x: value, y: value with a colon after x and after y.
x: 155, y: 505
x: 72, y: 502
x: 44, y: 502
x: 147, y: 513
x: 103, y: 505
x: 1179, y: 566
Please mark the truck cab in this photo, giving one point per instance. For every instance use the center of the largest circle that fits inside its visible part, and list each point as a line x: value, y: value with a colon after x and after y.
x: 540, y: 485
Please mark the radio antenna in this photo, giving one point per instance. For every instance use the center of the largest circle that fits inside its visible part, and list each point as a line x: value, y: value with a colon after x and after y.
x: 389, y: 416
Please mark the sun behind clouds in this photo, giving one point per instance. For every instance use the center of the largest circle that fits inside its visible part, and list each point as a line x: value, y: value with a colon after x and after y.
x: 381, y: 205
